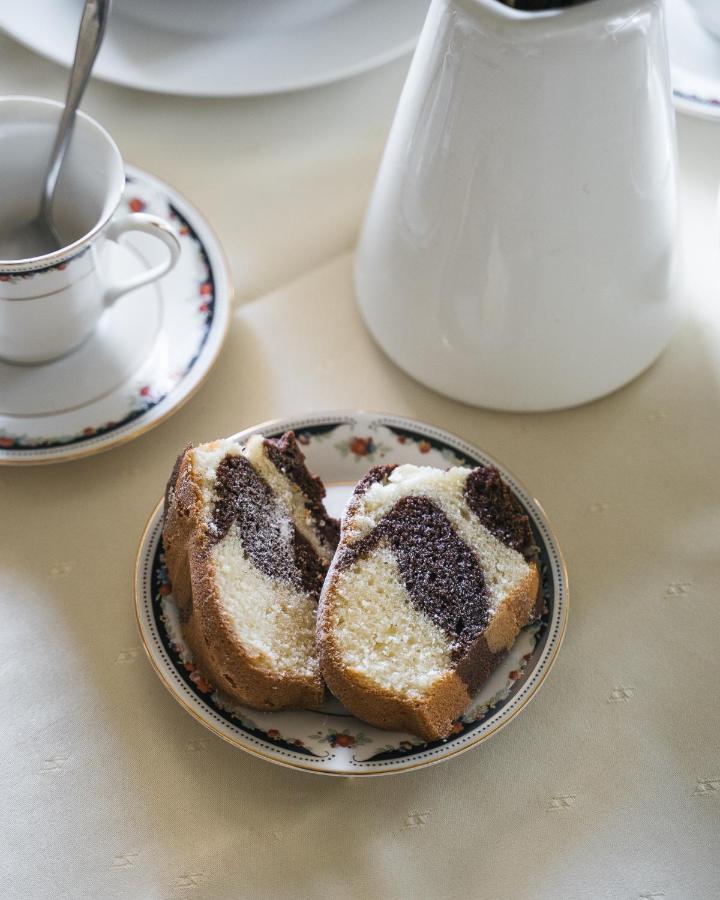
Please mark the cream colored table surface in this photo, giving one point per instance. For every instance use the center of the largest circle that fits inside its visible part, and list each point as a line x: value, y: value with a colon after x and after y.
x: 607, y: 786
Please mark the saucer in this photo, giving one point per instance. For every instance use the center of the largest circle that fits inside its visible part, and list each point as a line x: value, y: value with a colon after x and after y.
x: 341, y: 447
x: 149, y: 354
x: 255, y: 53
x: 695, y: 62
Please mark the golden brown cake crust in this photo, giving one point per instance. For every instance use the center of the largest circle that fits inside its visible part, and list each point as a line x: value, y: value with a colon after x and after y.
x: 217, y: 653
x: 432, y: 717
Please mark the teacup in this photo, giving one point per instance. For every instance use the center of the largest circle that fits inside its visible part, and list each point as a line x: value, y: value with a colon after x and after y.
x: 50, y: 304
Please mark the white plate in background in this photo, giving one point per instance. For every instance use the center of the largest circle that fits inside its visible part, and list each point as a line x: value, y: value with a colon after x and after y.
x: 225, y: 48
x: 695, y: 62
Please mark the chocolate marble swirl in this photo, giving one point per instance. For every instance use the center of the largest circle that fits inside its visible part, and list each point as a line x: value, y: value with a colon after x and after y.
x: 442, y: 575
x: 268, y: 535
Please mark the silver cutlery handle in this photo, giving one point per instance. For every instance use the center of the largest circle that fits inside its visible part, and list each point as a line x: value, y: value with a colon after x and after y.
x: 92, y: 29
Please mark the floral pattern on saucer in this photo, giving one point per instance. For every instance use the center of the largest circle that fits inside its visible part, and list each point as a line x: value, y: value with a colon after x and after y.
x: 363, y: 447
x: 331, y: 740
x: 141, y: 401
x: 372, y: 449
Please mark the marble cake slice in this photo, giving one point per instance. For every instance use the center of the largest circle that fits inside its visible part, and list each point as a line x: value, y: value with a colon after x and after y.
x: 434, y: 577
x: 248, y: 542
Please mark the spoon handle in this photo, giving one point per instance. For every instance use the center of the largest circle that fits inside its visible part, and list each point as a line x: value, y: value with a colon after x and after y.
x: 90, y: 36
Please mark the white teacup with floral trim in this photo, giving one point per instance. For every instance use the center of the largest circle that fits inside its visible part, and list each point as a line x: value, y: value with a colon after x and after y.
x: 50, y: 304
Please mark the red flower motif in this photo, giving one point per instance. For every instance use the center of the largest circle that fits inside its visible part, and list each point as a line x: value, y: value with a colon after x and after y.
x: 273, y: 734
x: 145, y: 390
x: 136, y: 204
x: 342, y: 740
x: 184, y: 229
x: 203, y: 307
x: 515, y: 674
x: 88, y: 431
x: 361, y: 446
x: 4, y: 278
x: 205, y: 289
x: 7, y: 442
x: 456, y: 728
x: 201, y: 684
x: 303, y: 439
x: 165, y: 589
x: 189, y: 667
x: 61, y: 267
x: 424, y: 447
x: 110, y: 424
x: 402, y: 439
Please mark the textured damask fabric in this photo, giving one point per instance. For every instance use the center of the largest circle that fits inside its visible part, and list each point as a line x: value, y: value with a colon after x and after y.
x: 606, y: 786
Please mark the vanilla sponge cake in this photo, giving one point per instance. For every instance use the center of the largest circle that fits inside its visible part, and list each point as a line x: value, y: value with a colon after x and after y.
x: 434, y: 577
x: 247, y: 543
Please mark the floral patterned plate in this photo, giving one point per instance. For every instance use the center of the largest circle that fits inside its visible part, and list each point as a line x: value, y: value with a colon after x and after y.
x: 340, y: 447
x: 149, y: 354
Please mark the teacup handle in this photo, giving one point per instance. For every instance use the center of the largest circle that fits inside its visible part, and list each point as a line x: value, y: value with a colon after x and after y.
x: 152, y: 225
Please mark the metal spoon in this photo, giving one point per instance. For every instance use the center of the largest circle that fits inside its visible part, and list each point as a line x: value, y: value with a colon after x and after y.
x: 40, y: 236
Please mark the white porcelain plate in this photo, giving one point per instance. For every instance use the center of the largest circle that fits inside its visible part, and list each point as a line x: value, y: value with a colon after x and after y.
x: 695, y: 61
x: 341, y: 447
x: 225, y: 47
x: 148, y: 355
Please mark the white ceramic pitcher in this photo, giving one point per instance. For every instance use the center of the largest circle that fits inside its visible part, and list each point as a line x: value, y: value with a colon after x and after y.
x: 519, y: 248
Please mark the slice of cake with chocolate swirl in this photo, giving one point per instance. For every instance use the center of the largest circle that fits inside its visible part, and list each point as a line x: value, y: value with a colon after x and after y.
x: 247, y: 543
x: 434, y: 577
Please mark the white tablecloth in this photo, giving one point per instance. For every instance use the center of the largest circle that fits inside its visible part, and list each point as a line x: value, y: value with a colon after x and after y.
x: 607, y: 786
